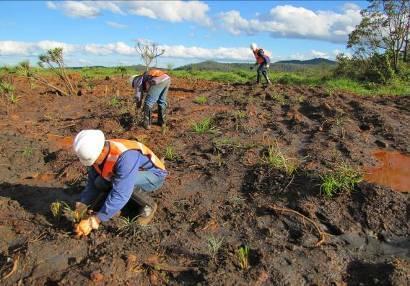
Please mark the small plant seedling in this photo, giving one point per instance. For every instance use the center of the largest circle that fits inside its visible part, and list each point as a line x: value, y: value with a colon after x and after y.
x: 128, y: 225
x: 73, y: 215
x: 243, y: 257
x: 14, y: 98
x: 277, y: 160
x: 214, y: 244
x: 344, y: 178
x: 56, y: 209
x: 115, y: 101
x: 201, y: 99
x: 27, y: 151
x: 6, y: 88
x: 170, y: 153
x: 203, y: 126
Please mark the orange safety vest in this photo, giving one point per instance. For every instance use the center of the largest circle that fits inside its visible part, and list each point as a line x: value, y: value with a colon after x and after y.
x: 258, y: 58
x: 119, y: 146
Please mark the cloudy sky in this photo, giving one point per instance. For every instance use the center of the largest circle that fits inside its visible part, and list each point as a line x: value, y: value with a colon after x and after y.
x: 105, y: 32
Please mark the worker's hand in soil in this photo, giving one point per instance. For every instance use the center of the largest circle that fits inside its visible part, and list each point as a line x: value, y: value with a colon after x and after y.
x: 85, y: 226
x: 80, y: 207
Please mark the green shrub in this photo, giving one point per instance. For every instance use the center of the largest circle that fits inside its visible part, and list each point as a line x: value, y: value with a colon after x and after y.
x: 203, y: 126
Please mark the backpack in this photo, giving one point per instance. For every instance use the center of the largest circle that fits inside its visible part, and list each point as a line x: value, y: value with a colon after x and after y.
x: 267, y: 59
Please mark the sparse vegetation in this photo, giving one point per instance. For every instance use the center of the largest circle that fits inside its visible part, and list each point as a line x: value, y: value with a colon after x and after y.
x: 200, y: 99
x: 170, y: 154
x: 344, y: 178
x: 56, y: 209
x: 27, y: 152
x: 276, y: 159
x: 204, y: 126
x: 115, y: 101
x: 243, y: 257
x: 214, y: 244
x: 73, y: 215
x: 128, y: 225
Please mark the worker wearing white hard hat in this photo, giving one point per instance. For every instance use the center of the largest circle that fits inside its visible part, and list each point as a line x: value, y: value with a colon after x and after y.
x: 263, y: 60
x: 119, y: 170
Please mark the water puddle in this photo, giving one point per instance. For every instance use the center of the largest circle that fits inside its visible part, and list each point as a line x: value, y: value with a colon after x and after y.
x: 392, y: 171
x: 60, y: 142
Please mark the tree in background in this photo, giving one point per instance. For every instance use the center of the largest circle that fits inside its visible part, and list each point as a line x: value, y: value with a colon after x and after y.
x: 148, y: 52
x: 122, y: 70
x: 384, y: 29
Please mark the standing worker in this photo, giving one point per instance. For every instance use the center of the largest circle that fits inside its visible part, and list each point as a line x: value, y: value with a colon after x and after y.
x: 119, y: 170
x: 155, y: 83
x: 263, y: 61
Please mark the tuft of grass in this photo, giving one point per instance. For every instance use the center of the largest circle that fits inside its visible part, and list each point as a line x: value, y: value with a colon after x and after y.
x: 73, y: 215
x: 204, y: 126
x: 170, y: 154
x: 243, y: 257
x: 56, y: 209
x: 27, y: 151
x: 277, y: 160
x: 202, y: 99
x: 128, y: 225
x: 115, y: 101
x: 214, y: 244
x: 344, y: 178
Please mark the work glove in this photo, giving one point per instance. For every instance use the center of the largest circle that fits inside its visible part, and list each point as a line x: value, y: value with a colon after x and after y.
x: 85, y: 226
x: 80, y: 207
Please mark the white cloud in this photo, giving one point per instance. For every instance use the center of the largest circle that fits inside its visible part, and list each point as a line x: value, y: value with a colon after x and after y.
x: 116, y: 25
x: 296, y: 22
x: 172, y: 11
x: 309, y: 55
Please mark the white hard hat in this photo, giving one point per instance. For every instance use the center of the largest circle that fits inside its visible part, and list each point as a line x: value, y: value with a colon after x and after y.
x: 253, y: 46
x: 131, y: 79
x: 88, y: 145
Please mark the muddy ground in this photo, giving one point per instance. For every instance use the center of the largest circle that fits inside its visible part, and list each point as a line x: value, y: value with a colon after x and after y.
x: 219, y: 188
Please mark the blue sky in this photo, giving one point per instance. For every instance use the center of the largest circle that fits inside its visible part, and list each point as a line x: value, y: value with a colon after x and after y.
x: 105, y: 32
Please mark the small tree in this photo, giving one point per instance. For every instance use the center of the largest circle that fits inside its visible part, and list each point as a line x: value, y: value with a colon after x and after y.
x: 26, y: 70
x: 148, y: 52
x: 384, y: 29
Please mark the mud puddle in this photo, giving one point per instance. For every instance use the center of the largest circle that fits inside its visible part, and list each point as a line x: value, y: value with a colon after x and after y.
x: 393, y: 171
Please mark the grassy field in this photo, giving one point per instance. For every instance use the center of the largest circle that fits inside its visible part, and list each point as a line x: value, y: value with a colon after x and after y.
x: 310, y: 77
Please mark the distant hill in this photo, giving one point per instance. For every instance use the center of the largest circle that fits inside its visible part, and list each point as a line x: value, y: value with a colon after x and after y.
x: 290, y: 65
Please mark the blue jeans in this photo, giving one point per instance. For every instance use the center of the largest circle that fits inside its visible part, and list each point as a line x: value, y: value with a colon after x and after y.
x: 145, y: 181
x: 158, y: 94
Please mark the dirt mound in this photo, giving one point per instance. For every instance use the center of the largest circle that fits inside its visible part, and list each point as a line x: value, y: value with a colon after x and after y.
x: 221, y: 197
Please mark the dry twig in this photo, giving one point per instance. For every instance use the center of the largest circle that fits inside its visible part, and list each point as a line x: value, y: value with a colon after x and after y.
x: 286, y: 210
x: 15, y: 264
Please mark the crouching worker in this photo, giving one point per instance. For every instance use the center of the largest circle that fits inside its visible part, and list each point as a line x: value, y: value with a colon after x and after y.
x: 119, y: 170
x: 263, y: 61
x: 154, y: 84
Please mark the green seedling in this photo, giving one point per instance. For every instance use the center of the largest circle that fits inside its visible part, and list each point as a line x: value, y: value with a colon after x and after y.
x: 344, y: 178
x: 14, y: 98
x: 277, y: 160
x: 243, y: 257
x: 73, y: 215
x: 115, y: 101
x: 56, y: 209
x: 27, y: 151
x: 204, y: 126
x: 200, y: 99
x: 170, y: 154
x: 7, y: 88
x: 128, y: 225
x: 214, y: 244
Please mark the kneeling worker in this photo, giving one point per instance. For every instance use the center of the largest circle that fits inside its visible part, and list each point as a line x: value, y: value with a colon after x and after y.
x: 155, y: 83
x: 121, y: 169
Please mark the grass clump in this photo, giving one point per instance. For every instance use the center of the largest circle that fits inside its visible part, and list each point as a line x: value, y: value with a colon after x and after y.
x: 204, y: 126
x: 344, y: 178
x: 202, y: 99
x: 115, y: 101
x: 128, y: 225
x: 56, y: 209
x: 276, y: 159
x: 170, y: 154
x: 243, y: 257
x: 214, y: 244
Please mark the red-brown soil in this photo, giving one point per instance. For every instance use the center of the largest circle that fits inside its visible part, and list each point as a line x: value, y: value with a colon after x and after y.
x: 218, y: 187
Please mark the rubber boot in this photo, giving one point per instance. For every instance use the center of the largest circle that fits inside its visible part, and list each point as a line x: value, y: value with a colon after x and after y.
x: 148, y: 205
x: 147, y: 117
x: 258, y: 76
x: 162, y: 116
x: 265, y: 75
